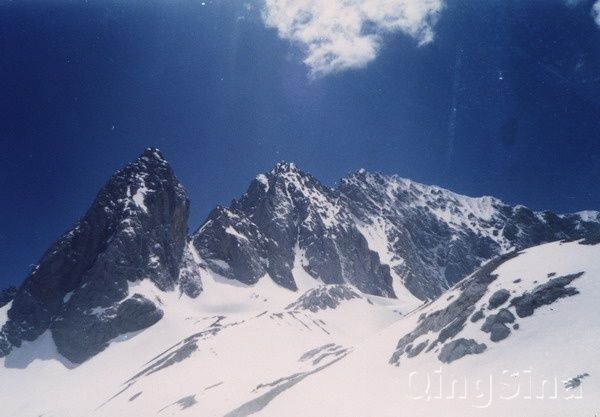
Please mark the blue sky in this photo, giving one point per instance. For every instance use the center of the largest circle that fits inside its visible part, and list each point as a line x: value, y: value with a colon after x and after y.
x: 494, y: 97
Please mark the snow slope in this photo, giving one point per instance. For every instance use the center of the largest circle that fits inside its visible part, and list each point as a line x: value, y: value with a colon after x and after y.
x: 263, y: 350
x: 527, y: 371
x: 232, y: 344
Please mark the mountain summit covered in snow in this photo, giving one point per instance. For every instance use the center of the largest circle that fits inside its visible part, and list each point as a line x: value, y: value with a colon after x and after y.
x: 386, y: 236
x: 313, y: 271
x: 135, y: 229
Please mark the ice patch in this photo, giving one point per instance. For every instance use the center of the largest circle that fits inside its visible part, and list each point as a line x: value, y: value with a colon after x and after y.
x: 262, y: 178
x: 67, y: 297
x: 230, y: 230
x: 220, y: 263
x: 139, y: 198
x: 154, y: 261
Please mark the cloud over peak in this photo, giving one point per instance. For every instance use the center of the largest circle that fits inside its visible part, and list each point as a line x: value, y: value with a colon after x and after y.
x: 345, y: 34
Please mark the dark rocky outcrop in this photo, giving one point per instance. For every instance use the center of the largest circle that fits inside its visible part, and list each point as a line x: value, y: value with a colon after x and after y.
x: 545, y: 294
x: 412, y: 351
x: 448, y: 322
x: 86, y: 335
x: 496, y: 325
x: 498, y: 298
x: 135, y: 229
x: 478, y: 315
x: 459, y: 348
x: 190, y: 283
x: 575, y: 382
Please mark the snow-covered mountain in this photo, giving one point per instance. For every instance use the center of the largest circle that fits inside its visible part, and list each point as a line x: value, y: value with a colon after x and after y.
x: 135, y: 229
x: 385, y: 235
x: 299, y: 296
x: 288, y: 224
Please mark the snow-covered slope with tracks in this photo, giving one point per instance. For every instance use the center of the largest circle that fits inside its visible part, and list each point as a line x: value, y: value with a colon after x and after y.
x: 239, y: 350
x: 545, y: 366
x: 233, y: 346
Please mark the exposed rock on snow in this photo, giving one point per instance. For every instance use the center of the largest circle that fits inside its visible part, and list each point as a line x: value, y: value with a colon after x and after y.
x: 498, y: 298
x: 183, y: 403
x: 459, y: 348
x: 432, y: 237
x: 449, y: 321
x: 478, y: 315
x: 236, y: 350
x: 282, y: 385
x: 324, y: 297
x: 496, y: 325
x: 384, y: 235
x: 545, y: 294
x: 468, y: 299
x: 576, y: 381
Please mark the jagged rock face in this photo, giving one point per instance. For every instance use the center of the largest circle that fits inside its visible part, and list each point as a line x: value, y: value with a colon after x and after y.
x: 369, y: 230
x: 436, y: 237
x: 459, y: 348
x: 285, y: 218
x: 135, y: 229
x: 190, y: 282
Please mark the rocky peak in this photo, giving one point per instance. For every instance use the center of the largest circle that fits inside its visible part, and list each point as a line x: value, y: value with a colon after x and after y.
x: 384, y: 235
x: 294, y: 182
x: 135, y: 229
x: 290, y: 197
x: 283, y: 167
x: 403, y: 190
x: 285, y: 215
x: 153, y: 153
x: 435, y: 237
x: 132, y: 185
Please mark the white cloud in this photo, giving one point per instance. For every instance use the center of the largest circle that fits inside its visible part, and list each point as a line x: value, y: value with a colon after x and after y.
x: 595, y: 8
x: 344, y: 34
x: 596, y: 12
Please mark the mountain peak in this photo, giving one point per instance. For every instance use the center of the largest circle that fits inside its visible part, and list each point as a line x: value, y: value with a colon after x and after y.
x: 365, y: 175
x: 384, y: 235
x: 134, y: 230
x: 153, y: 153
x: 284, y: 167
x: 285, y: 174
